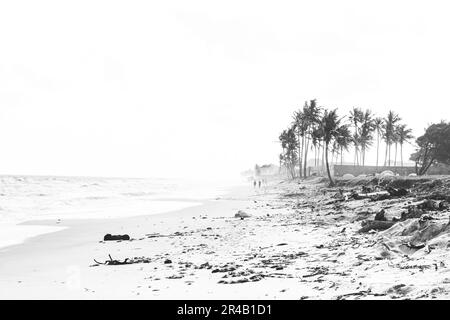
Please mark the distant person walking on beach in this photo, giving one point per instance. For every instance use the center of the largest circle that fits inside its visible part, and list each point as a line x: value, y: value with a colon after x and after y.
x: 259, y: 184
x: 254, y: 183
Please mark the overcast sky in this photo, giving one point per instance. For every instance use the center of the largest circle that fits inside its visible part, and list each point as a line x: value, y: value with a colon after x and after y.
x: 170, y: 88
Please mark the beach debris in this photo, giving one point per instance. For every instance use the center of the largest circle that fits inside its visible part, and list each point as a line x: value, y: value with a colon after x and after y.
x: 224, y: 268
x: 397, y: 192
x: 433, y: 205
x: 294, y: 194
x: 113, y: 262
x: 362, y: 215
x: 412, y: 213
x: 205, y: 265
x: 241, y: 214
x: 167, y: 261
x: 419, y: 209
x: 114, y: 237
x: 358, y: 293
x: 316, y: 271
x: 415, y: 246
x: 380, y: 216
x: 375, y: 225
x: 399, y: 289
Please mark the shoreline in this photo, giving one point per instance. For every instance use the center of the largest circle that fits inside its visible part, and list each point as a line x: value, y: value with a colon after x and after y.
x: 16, y: 232
x: 85, y: 234
x: 70, y: 222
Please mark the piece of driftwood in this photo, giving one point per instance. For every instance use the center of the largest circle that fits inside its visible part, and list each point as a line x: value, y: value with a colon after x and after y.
x: 113, y: 262
x: 434, y: 205
x: 115, y: 237
x: 359, y: 196
x: 376, y: 225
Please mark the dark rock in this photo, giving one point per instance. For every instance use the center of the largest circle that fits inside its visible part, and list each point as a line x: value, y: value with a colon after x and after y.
x: 114, y: 237
x: 380, y: 216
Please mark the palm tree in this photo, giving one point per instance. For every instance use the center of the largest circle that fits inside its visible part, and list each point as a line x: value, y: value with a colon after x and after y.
x: 356, y: 116
x: 365, y: 134
x: 311, y: 114
x: 404, y: 135
x: 288, y: 141
x: 316, y: 138
x: 299, y: 122
x: 378, y: 124
x: 395, y: 140
x: 344, y: 139
x: 330, y: 125
x: 389, y: 126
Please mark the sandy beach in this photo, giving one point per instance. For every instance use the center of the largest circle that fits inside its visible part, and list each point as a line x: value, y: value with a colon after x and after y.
x: 299, y: 243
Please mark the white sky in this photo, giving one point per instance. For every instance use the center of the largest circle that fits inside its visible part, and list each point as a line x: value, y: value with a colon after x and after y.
x: 170, y: 88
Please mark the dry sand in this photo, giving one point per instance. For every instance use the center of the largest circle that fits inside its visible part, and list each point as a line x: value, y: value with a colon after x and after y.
x: 298, y: 244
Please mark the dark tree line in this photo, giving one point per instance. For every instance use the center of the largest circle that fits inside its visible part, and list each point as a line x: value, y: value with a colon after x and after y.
x: 433, y: 147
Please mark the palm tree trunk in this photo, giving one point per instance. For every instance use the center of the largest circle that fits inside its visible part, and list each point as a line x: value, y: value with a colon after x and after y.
x: 299, y: 156
x: 363, y: 156
x: 389, y: 159
x: 386, y: 154
x: 378, y: 146
x: 341, y: 154
x: 315, y: 155
x: 306, y: 156
x: 323, y: 156
x: 401, y: 153
x: 395, y: 158
x: 303, y: 149
x: 328, y: 166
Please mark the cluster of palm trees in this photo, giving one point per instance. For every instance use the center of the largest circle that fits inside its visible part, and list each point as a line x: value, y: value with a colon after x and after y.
x: 322, y: 132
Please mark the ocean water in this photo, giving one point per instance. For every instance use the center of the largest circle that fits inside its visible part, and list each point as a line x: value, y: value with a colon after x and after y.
x: 25, y: 198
